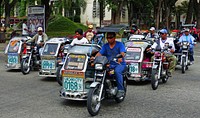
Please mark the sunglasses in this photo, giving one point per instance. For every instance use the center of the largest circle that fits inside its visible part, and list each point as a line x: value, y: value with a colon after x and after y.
x: 110, y: 37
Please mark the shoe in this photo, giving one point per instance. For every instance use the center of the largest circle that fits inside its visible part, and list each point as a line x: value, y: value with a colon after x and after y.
x: 191, y: 62
x: 120, y: 93
x: 169, y: 74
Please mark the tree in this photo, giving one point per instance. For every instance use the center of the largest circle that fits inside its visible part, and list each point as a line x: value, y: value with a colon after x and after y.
x: 9, y: 4
x: 197, y: 12
x: 189, y: 12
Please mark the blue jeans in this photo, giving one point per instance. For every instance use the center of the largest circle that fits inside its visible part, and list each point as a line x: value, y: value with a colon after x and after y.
x: 119, y: 69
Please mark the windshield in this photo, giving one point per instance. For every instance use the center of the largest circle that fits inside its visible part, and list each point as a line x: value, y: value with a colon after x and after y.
x: 133, y: 54
x: 75, y: 62
x: 50, y: 49
x: 83, y: 49
x: 14, y: 46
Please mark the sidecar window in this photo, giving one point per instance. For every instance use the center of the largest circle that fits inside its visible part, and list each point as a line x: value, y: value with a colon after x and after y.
x: 14, y: 46
x: 50, y: 49
x: 133, y: 54
x: 75, y: 62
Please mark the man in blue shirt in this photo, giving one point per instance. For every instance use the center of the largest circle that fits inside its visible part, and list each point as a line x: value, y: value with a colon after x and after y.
x: 111, y: 50
x: 189, y: 38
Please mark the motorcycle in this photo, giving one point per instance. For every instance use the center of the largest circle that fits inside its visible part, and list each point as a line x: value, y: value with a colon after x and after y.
x: 31, y: 60
x: 160, y: 66
x: 183, y: 57
x: 14, y: 52
x: 104, y: 85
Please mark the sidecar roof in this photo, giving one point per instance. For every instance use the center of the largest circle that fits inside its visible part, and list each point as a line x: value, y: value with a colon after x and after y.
x: 57, y: 40
x: 112, y: 28
x: 19, y: 39
x: 138, y: 43
x: 84, y: 49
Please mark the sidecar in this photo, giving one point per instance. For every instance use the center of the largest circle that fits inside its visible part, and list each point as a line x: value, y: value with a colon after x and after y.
x: 77, y: 73
x: 14, y: 52
x: 51, y: 55
x: 138, y: 59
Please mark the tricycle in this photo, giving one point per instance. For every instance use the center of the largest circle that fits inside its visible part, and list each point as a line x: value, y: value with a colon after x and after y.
x: 76, y: 72
x: 52, y: 55
x: 14, y: 52
x: 138, y: 59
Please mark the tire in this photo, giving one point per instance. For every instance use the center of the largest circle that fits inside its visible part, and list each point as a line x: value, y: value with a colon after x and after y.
x: 93, y: 106
x: 119, y: 100
x: 183, y: 65
x: 164, y: 79
x: 59, y: 76
x: 154, y: 79
x: 25, y: 68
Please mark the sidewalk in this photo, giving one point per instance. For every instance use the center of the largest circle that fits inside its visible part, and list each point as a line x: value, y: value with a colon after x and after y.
x: 2, y: 47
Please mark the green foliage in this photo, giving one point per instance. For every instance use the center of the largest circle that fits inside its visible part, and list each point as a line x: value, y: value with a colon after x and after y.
x: 61, y: 26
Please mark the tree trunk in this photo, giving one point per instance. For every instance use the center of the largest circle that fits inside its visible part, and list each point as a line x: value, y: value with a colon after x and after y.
x: 197, y: 12
x: 8, y: 7
x: 189, y: 12
x: 158, y: 13
x: 47, y: 10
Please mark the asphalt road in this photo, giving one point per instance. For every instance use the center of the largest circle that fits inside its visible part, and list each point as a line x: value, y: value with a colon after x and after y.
x: 31, y: 96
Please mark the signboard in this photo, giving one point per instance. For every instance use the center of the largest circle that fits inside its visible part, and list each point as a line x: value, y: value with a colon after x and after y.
x: 36, y: 18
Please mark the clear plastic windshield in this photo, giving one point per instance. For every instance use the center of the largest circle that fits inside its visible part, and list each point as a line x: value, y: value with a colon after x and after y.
x: 133, y: 54
x: 50, y: 49
x: 75, y: 62
x: 14, y: 46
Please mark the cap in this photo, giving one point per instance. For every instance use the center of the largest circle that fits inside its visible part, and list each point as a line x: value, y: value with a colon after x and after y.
x: 164, y: 31
x: 186, y: 30
x: 90, y: 26
x: 39, y: 29
x: 152, y: 28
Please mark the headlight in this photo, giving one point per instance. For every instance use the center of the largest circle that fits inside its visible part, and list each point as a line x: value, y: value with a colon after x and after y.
x: 28, y: 47
x: 98, y: 67
x: 65, y: 51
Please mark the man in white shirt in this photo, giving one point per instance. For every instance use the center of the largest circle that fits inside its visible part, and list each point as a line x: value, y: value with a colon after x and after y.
x: 24, y: 29
x: 161, y: 42
x: 79, y: 38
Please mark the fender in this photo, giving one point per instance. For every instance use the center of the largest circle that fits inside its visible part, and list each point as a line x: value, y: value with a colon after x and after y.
x: 183, y: 55
x: 155, y: 67
x: 94, y: 84
x: 25, y: 56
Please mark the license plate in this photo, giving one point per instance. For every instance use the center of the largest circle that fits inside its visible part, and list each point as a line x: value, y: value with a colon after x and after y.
x: 133, y: 68
x: 73, y: 84
x: 48, y: 64
x: 12, y: 59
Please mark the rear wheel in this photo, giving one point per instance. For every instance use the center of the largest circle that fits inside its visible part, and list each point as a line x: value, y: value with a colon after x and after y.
x: 25, y: 66
x: 154, y: 79
x: 183, y: 65
x: 59, y: 76
x: 93, y: 105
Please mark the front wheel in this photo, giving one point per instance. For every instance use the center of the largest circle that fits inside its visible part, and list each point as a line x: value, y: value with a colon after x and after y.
x: 166, y: 77
x: 93, y: 105
x: 25, y: 66
x: 183, y: 65
x: 59, y: 76
x: 154, y: 79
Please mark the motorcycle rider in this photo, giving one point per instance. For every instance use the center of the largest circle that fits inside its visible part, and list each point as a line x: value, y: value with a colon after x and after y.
x: 161, y: 42
x: 79, y: 38
x: 152, y: 33
x: 40, y: 38
x: 189, y: 38
x: 111, y: 50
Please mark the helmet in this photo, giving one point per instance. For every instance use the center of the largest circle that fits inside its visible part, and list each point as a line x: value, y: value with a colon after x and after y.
x: 40, y: 29
x: 90, y: 26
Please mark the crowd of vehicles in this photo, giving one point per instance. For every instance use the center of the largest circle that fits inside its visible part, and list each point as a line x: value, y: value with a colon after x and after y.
x: 92, y: 81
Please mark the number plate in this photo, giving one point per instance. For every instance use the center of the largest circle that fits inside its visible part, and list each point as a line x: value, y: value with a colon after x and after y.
x: 133, y: 68
x: 48, y: 64
x: 12, y: 59
x: 73, y: 84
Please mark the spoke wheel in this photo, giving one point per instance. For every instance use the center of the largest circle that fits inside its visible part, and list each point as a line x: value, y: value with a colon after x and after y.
x: 154, y: 79
x: 93, y: 105
x: 25, y: 67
